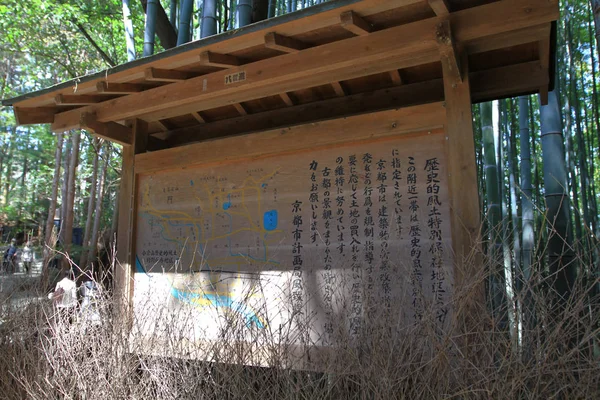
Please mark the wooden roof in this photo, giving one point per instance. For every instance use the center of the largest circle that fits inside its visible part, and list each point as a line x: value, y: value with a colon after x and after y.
x: 337, y: 58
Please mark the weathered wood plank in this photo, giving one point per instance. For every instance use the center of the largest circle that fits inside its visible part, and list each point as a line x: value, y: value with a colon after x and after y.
x: 297, y: 138
x: 381, y: 51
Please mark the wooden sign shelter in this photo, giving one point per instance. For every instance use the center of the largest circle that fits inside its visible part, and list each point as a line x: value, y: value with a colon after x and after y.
x: 232, y: 142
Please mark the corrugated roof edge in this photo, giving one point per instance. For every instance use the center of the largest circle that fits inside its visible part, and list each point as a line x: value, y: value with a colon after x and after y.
x: 271, y: 22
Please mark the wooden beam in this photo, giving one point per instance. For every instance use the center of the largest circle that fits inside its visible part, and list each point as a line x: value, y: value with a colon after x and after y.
x: 462, y: 182
x: 166, y: 75
x: 525, y: 77
x: 447, y: 47
x: 240, y: 108
x: 79, y: 99
x: 286, y: 99
x: 509, y: 39
x: 381, y: 51
x: 283, y: 43
x: 338, y: 89
x: 439, y: 7
x: 165, y: 125
x: 211, y: 59
x: 354, y: 23
x: 512, y: 80
x: 121, y: 88
x: 396, y: 77
x: 106, y: 130
x: 544, y: 51
x: 401, y: 96
x: 125, y: 266
x: 298, y: 138
x: 198, y: 117
x: 34, y: 115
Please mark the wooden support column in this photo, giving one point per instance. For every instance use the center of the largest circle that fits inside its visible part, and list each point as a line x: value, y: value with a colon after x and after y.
x: 462, y: 179
x: 125, y: 268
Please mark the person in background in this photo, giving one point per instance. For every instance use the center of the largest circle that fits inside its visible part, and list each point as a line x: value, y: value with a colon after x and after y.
x: 10, y: 257
x: 27, y: 257
x: 64, y: 298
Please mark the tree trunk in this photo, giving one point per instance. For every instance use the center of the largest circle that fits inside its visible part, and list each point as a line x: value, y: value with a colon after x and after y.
x: 209, y: 18
x: 260, y: 10
x: 243, y: 13
x: 185, y: 16
x: 494, y: 214
x: 90, y: 210
x: 68, y: 229
x: 93, y: 251
x: 596, y: 10
x: 63, y: 190
x: 49, y: 242
x: 150, y: 28
x: 129, y: 34
x: 563, y: 269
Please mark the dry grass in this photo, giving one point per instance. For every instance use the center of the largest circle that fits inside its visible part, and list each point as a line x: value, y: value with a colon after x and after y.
x: 552, y: 357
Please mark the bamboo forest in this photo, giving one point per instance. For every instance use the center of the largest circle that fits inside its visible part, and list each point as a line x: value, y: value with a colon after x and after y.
x: 535, y: 303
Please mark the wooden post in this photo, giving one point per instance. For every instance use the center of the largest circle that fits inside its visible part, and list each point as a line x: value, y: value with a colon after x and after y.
x: 462, y: 179
x: 125, y: 267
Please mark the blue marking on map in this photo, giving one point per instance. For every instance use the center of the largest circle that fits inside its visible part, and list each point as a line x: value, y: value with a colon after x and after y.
x: 227, y: 204
x: 191, y: 182
x: 218, y: 300
x: 263, y: 185
x: 138, y: 266
x: 270, y: 220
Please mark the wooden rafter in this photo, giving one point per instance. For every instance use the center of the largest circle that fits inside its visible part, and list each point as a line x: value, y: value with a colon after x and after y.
x: 283, y: 43
x: 211, y: 59
x: 199, y: 117
x: 240, y: 108
x: 396, y: 77
x: 381, y: 51
x: 79, y: 99
x: 286, y: 99
x: 106, y: 130
x: 439, y: 7
x: 354, y: 23
x: 121, y: 88
x: 166, y: 75
x: 338, y: 89
x: 486, y: 85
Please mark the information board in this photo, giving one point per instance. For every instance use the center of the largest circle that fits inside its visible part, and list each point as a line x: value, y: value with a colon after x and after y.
x: 311, y: 246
